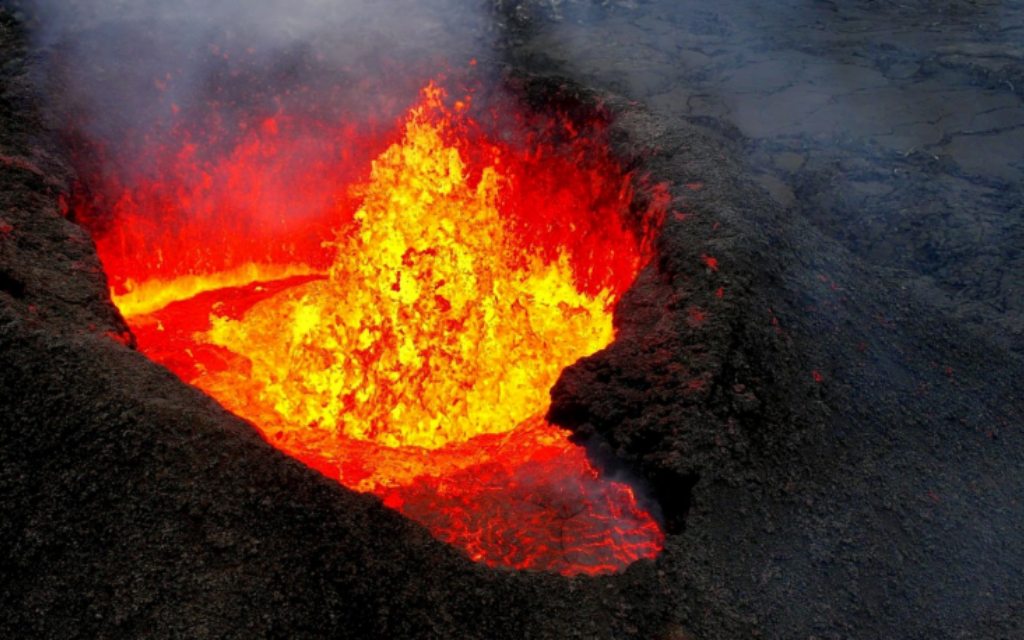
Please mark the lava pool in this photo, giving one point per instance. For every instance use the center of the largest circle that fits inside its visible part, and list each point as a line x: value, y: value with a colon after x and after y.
x: 393, y: 311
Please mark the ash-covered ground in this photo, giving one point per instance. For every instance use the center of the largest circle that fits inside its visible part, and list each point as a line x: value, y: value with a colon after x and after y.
x: 817, y: 375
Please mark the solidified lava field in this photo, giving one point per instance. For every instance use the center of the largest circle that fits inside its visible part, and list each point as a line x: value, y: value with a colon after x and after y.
x: 812, y: 383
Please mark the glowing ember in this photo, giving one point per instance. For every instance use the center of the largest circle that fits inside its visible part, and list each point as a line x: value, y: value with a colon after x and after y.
x: 414, y: 361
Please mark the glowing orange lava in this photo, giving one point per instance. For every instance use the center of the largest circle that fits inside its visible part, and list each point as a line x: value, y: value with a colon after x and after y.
x: 401, y: 335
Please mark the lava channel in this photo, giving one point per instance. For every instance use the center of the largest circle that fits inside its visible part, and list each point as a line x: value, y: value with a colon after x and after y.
x: 401, y: 332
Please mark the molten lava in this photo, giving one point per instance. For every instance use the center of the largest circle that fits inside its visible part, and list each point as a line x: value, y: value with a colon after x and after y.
x: 401, y: 335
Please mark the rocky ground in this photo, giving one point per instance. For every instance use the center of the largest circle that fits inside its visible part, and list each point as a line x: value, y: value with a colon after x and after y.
x: 817, y: 375
x: 888, y: 138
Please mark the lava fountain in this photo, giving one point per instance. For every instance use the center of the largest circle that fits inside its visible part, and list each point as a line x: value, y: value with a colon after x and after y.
x: 398, y: 327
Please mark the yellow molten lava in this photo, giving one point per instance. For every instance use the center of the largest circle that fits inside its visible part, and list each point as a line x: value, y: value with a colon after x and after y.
x: 435, y: 324
x: 154, y: 294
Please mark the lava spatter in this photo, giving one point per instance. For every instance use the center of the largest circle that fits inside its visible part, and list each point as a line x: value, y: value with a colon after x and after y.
x: 416, y: 362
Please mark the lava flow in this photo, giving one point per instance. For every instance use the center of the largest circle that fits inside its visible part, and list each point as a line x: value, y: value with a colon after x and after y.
x: 402, y: 333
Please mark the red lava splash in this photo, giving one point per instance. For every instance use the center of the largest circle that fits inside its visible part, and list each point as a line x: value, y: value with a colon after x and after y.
x: 397, y: 323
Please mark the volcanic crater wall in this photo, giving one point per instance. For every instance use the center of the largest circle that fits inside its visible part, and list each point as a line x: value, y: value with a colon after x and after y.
x: 137, y: 506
